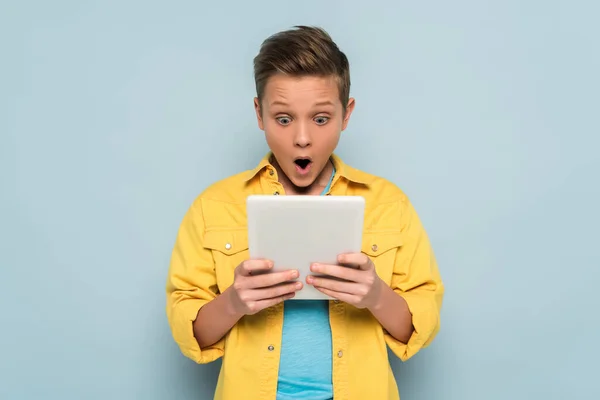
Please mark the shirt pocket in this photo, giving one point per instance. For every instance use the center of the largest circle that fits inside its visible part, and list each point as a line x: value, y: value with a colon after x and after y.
x: 382, y: 247
x: 229, y: 247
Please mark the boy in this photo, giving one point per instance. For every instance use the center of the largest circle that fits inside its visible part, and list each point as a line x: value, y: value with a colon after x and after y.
x: 217, y: 306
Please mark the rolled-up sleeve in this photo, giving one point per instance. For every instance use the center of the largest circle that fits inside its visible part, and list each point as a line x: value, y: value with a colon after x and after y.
x: 191, y: 283
x: 417, y: 279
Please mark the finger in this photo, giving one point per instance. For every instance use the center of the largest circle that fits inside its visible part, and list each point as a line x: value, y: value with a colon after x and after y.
x: 334, y: 284
x: 274, y: 278
x: 345, y: 297
x: 247, y: 267
x: 357, y: 260
x: 262, y: 304
x: 274, y: 291
x: 338, y: 271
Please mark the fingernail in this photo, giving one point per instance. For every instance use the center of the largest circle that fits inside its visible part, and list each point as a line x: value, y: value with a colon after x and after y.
x: 294, y: 274
x: 309, y: 279
x: 315, y: 267
x: 298, y: 285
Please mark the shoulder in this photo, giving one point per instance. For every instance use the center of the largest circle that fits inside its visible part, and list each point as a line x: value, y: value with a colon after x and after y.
x: 376, y: 188
x: 223, y: 202
x: 387, y: 207
x: 231, y: 189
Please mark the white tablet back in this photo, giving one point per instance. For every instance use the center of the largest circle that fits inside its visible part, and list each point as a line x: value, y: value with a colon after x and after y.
x: 295, y: 231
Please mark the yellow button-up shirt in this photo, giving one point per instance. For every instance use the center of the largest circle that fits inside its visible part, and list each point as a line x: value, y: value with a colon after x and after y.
x: 212, y: 241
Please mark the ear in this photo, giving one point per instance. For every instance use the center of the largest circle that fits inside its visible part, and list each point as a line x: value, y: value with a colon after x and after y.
x: 349, y: 109
x: 258, y: 114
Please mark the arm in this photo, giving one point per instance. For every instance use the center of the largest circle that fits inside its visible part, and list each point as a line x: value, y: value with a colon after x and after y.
x: 409, y: 308
x: 198, y: 314
x: 191, y: 285
x: 393, y: 314
x: 214, y: 320
x: 364, y: 289
x: 249, y: 294
x: 416, y: 279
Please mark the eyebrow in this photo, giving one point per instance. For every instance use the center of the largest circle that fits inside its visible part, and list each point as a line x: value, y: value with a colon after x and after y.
x: 319, y: 104
x: 278, y: 103
x: 325, y: 103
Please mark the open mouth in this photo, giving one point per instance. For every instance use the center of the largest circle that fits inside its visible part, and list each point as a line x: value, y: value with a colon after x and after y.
x: 303, y: 163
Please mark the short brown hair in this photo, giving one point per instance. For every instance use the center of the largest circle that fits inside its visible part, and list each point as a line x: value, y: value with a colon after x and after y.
x: 302, y: 51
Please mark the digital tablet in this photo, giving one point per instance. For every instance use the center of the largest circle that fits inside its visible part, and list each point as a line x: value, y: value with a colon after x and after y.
x: 295, y: 231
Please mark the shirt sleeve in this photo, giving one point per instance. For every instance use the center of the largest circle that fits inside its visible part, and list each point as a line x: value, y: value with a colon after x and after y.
x: 191, y: 283
x: 417, y: 279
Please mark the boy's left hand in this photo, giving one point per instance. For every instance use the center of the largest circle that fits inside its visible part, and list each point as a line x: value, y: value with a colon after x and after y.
x: 360, y: 287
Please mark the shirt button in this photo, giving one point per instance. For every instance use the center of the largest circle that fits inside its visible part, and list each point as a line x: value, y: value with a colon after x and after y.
x: 374, y: 247
x: 340, y: 354
x: 276, y: 193
x: 227, y: 246
x: 336, y: 301
x: 271, y: 172
x: 271, y: 348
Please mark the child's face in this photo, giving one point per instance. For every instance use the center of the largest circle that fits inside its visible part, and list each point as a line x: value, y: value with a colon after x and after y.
x: 302, y: 118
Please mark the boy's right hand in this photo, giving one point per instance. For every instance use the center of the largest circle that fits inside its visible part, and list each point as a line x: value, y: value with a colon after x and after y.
x: 253, y: 291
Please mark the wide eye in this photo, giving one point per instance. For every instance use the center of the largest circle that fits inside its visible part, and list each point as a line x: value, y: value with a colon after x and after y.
x: 284, y: 120
x: 321, y: 120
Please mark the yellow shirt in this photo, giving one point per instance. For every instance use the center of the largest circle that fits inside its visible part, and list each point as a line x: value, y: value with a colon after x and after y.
x: 212, y: 242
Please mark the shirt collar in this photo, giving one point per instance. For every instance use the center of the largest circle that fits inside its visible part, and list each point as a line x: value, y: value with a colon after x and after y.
x: 342, y: 169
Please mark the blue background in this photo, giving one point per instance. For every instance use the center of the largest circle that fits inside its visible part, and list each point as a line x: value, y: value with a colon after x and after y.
x: 114, y: 115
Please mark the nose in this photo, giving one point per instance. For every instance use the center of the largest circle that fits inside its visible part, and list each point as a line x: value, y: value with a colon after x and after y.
x: 302, y: 137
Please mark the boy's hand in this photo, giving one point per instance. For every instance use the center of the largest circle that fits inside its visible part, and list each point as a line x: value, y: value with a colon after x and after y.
x: 253, y: 291
x: 361, y: 286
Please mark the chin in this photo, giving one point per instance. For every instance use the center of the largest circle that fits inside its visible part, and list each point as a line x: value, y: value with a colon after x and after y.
x: 302, y: 183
